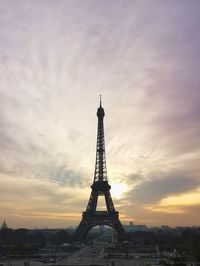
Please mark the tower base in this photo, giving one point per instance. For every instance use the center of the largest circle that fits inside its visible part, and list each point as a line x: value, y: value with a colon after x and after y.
x: 90, y: 220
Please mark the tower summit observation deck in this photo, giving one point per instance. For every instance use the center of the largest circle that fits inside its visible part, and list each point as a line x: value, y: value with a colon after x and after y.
x: 100, y: 187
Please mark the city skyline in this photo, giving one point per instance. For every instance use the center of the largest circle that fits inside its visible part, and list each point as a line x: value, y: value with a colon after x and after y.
x: 56, y: 58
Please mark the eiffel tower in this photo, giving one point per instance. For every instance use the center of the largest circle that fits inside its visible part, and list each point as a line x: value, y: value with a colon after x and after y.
x: 100, y: 187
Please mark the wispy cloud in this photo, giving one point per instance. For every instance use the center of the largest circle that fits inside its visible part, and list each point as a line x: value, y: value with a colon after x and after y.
x: 55, y: 60
x: 151, y: 191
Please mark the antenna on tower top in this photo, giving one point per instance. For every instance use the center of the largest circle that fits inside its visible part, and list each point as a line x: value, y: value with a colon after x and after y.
x: 100, y: 100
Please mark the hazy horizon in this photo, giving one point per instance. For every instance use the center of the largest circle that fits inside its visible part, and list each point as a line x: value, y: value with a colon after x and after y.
x: 56, y: 58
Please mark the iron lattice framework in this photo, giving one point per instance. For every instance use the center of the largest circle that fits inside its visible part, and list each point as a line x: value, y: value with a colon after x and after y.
x: 100, y: 166
x: 100, y: 187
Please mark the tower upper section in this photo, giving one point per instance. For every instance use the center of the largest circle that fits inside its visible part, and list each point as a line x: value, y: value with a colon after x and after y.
x: 100, y: 166
x: 100, y: 111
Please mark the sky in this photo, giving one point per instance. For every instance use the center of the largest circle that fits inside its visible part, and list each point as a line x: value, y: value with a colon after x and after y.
x: 56, y: 58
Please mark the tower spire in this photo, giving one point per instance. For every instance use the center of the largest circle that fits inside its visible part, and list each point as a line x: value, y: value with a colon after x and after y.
x: 100, y: 166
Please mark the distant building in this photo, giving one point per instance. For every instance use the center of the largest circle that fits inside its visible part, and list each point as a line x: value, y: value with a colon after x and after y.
x: 135, y: 227
x: 165, y: 228
x: 101, y: 229
x: 4, y: 226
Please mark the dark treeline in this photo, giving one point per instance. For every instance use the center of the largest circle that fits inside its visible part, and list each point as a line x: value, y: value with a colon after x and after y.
x: 25, y: 242
x: 29, y: 241
x: 183, y: 240
x: 34, y: 237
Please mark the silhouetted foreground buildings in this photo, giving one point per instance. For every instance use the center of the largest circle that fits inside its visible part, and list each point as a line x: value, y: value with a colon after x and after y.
x: 153, y: 242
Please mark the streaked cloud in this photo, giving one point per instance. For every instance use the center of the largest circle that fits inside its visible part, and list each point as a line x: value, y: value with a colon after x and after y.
x: 154, y: 190
x: 56, y: 57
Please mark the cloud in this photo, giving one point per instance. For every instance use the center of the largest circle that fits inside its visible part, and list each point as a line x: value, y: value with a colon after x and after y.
x: 55, y: 60
x: 135, y: 178
x: 39, y: 198
x: 176, y: 216
x: 154, y: 190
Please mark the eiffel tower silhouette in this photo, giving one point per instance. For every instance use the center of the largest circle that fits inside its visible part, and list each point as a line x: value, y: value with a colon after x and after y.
x: 100, y: 187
